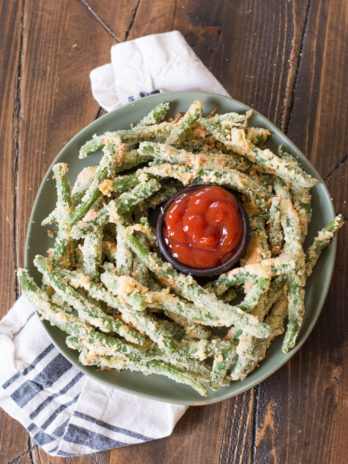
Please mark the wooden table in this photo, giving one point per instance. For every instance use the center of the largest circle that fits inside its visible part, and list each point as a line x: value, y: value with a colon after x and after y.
x: 286, y: 58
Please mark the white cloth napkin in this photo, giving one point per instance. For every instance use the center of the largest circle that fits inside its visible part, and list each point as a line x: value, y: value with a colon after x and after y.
x: 66, y: 412
x: 151, y: 64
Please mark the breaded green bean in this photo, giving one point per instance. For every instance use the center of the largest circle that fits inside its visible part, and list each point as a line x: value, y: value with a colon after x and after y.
x: 321, y: 241
x: 232, y: 119
x: 251, y: 350
x: 50, y: 311
x: 113, y: 210
x: 165, y: 153
x: 88, y: 311
x: 91, y: 146
x: 50, y: 219
x: 176, y: 305
x: 149, y: 367
x: 275, y: 233
x: 192, y: 329
x: 106, y: 169
x: 271, y: 267
x: 222, y: 362
x: 92, y: 252
x: 258, y: 135
x: 124, y: 255
x: 188, y: 288
x: 126, y: 288
x: 228, y: 177
x: 236, y: 140
x: 126, y: 356
x: 301, y: 197
x: 63, y: 210
x: 140, y: 272
x: 162, y: 195
x: 184, y: 124
x: 156, y: 115
x: 82, y: 183
x: 297, y: 277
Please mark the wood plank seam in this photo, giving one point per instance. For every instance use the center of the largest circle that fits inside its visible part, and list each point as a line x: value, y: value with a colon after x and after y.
x: 129, y: 28
x: 32, y: 447
x: 16, y: 148
x: 17, y: 118
x: 100, y: 21
x: 292, y: 99
x: 19, y: 457
x: 99, y: 112
x: 221, y: 441
x: 174, y: 14
x: 339, y: 165
x: 255, y: 417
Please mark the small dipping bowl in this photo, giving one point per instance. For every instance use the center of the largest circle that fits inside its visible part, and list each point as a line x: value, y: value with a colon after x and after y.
x: 209, y: 272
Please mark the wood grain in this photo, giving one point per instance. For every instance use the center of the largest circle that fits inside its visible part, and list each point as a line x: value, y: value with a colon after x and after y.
x: 10, y: 49
x: 319, y: 115
x: 153, y: 17
x: 251, y: 47
x: 10, y: 43
x: 288, y: 60
x: 301, y: 409
x: 116, y: 17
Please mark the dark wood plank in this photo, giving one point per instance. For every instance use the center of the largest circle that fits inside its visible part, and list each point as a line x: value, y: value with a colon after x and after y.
x: 10, y: 449
x: 318, y: 120
x: 116, y: 17
x: 251, y: 47
x: 10, y: 50
x: 153, y: 17
x: 10, y: 39
x: 302, y: 413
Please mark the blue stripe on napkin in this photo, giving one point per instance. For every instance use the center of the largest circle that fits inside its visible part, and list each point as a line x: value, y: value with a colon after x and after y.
x: 29, y: 368
x: 43, y: 438
x: 101, y: 423
x: 55, y: 395
x: 96, y: 441
x: 59, y: 410
x: 50, y: 374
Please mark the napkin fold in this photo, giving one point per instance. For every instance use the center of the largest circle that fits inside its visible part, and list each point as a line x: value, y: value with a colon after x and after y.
x: 66, y: 412
x: 151, y: 64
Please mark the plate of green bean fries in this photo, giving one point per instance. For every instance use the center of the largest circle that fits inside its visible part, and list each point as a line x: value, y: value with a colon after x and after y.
x: 108, y: 298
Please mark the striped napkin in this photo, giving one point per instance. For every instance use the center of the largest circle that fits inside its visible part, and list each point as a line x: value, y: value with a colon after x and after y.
x: 66, y: 412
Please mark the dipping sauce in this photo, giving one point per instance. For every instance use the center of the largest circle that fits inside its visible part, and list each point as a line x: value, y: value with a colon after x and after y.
x: 203, y: 228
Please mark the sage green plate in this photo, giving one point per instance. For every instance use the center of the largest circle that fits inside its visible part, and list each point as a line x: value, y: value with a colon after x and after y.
x: 154, y: 386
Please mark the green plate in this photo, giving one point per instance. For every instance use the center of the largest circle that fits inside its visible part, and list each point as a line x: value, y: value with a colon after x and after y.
x: 154, y: 386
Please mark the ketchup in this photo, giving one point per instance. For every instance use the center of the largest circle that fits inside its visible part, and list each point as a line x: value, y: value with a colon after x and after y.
x: 203, y: 228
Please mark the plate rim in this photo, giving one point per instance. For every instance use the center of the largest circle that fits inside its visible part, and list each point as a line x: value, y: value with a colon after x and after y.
x: 245, y: 385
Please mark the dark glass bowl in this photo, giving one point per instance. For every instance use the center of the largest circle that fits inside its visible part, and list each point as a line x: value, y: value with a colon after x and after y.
x: 213, y: 271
